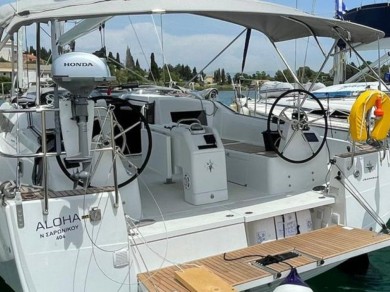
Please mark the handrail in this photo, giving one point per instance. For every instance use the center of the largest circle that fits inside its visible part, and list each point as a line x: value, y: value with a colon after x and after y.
x: 40, y: 110
x: 44, y: 154
x: 26, y: 110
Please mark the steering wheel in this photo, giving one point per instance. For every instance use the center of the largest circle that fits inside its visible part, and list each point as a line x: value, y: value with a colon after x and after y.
x: 120, y: 136
x: 290, y: 119
x: 104, y: 139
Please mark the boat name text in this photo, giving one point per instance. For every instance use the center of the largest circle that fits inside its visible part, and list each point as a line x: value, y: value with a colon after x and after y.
x: 57, y: 222
x: 56, y: 227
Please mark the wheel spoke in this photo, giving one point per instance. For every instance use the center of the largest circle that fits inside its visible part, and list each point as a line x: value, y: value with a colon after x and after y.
x: 288, y: 142
x: 127, y: 130
x: 309, y: 122
x: 299, y: 121
x: 307, y: 142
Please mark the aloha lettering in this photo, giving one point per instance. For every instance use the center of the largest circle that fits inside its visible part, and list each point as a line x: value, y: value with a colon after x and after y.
x: 57, y: 222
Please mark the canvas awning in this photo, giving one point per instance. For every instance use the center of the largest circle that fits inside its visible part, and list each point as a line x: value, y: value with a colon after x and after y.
x: 279, y: 23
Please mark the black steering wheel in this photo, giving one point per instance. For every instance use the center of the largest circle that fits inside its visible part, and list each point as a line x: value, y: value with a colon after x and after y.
x: 293, y: 109
x: 120, y: 133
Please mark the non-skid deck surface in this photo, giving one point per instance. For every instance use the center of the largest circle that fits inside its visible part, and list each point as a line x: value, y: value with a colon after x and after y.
x: 244, y: 147
x: 29, y: 193
x: 324, y: 246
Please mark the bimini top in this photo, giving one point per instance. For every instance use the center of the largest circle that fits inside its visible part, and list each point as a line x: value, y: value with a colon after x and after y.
x: 375, y: 16
x: 279, y: 23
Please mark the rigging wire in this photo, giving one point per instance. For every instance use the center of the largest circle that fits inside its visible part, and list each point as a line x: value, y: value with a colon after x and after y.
x: 160, y: 41
x: 217, y: 56
x: 91, y: 235
x: 307, y: 45
x: 128, y: 69
x: 142, y: 50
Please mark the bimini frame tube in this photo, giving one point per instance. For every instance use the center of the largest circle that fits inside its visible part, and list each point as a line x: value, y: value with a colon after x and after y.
x: 336, y: 29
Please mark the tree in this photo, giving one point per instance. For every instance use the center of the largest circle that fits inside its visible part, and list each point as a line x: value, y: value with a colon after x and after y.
x: 284, y: 76
x: 187, y: 73
x: 129, y: 62
x: 261, y: 76
x: 305, y: 74
x: 6, y: 84
x: 350, y: 70
x: 32, y: 51
x: 117, y: 58
x: 217, y: 76
x: 195, y: 74
x: 229, y: 78
x: 154, y: 73
x: 223, y: 76
x: 45, y: 55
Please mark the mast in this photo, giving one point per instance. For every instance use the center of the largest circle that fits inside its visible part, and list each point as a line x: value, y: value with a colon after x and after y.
x: 339, y: 60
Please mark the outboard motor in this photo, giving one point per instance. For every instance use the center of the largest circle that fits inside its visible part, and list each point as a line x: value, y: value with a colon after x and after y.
x: 79, y: 73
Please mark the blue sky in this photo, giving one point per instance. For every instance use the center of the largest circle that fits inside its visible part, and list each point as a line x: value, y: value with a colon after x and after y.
x: 196, y: 42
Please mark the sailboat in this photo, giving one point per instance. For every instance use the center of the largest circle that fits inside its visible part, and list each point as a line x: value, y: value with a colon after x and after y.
x: 167, y: 191
x: 345, y: 90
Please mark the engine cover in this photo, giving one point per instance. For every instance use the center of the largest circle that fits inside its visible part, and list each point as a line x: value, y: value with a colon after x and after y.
x: 80, y: 72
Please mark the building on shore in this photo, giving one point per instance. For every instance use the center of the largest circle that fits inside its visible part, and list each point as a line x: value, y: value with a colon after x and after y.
x: 29, y: 67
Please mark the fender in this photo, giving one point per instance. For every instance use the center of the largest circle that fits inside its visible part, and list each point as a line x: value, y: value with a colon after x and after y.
x: 359, y: 110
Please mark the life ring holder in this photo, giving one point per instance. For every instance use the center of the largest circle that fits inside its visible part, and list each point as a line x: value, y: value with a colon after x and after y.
x: 358, y: 116
x: 358, y: 125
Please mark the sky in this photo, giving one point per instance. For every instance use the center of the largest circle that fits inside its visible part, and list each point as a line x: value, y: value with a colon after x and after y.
x: 195, y: 42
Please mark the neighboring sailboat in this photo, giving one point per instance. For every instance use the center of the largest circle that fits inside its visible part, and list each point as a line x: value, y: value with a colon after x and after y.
x: 348, y: 89
x: 164, y: 190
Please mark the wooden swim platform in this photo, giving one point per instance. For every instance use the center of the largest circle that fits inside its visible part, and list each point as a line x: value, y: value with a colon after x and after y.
x: 316, y: 249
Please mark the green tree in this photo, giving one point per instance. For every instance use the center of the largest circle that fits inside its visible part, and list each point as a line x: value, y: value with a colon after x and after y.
x: 350, y: 70
x: 229, y: 78
x: 154, y: 73
x: 5, y: 84
x: 223, y: 76
x: 32, y: 51
x: 261, y: 76
x: 129, y: 62
x: 217, y: 76
x: 305, y: 74
x: 284, y: 76
x: 194, y: 73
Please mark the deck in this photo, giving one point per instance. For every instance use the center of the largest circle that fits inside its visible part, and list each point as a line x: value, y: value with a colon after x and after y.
x: 317, y: 248
x: 31, y: 193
